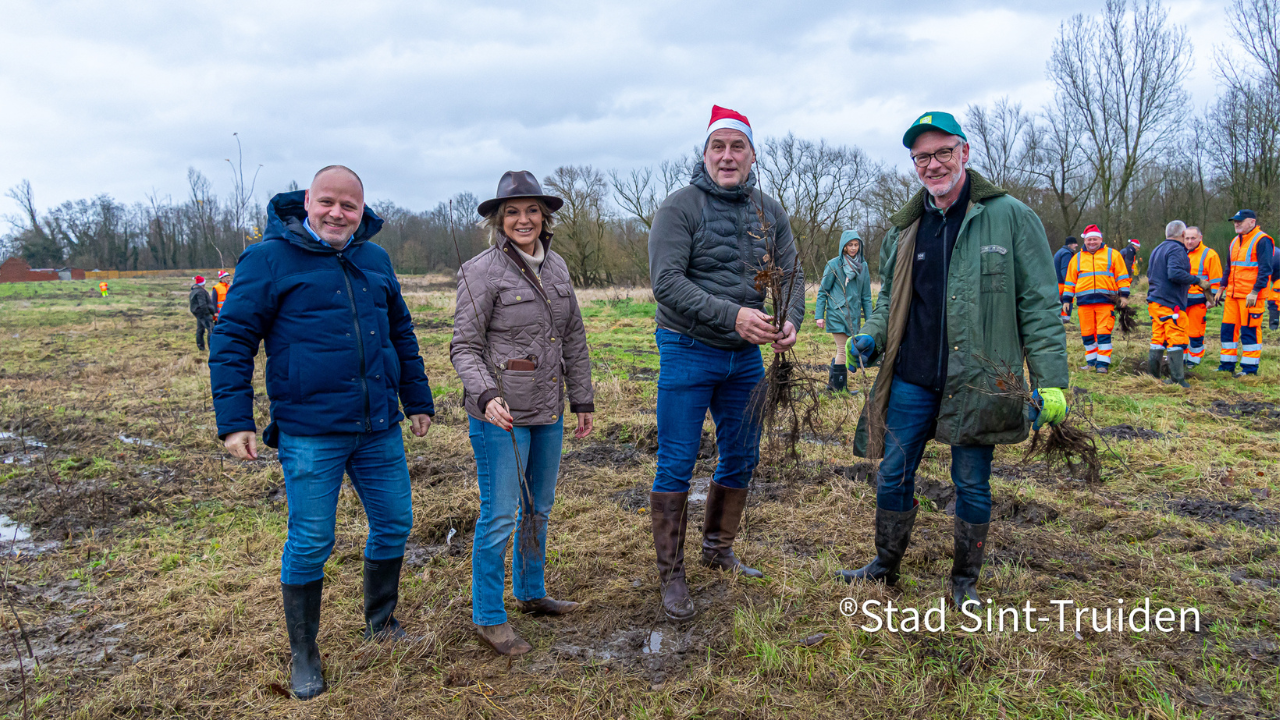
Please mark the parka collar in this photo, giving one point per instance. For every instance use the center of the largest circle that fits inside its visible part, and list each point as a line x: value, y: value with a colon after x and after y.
x: 737, y: 194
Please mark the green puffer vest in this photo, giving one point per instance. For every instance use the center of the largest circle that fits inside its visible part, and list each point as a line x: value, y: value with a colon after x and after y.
x: 1002, y: 320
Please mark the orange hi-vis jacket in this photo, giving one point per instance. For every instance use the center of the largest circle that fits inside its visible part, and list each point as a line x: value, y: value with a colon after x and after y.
x: 1206, y: 264
x: 219, y: 296
x: 102, y: 286
x: 1250, y: 254
x: 1096, y: 277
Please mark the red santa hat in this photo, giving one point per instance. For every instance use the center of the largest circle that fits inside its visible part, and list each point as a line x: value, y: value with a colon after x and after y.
x: 1135, y: 242
x: 222, y: 274
x: 724, y: 118
x: 1091, y: 231
x: 199, y: 279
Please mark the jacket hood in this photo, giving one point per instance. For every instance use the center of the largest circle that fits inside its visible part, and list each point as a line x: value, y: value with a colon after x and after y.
x: 285, y: 214
x: 738, y: 193
x: 980, y: 189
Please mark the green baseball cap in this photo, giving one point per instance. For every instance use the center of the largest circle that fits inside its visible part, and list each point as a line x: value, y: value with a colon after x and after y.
x: 944, y: 122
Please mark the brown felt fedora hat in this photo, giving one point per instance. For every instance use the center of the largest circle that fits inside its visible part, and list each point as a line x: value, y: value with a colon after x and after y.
x: 518, y: 184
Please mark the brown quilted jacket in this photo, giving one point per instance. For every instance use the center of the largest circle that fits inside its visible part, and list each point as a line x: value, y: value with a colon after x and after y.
x: 517, y: 315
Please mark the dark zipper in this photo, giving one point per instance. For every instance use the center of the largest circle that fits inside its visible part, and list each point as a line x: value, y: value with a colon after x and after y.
x: 355, y: 318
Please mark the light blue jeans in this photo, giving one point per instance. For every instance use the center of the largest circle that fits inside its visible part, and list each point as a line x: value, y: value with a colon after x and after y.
x: 313, y: 469
x: 501, y: 496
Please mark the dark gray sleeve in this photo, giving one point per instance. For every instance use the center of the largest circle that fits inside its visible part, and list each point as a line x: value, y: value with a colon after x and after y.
x: 787, y: 259
x: 670, y: 245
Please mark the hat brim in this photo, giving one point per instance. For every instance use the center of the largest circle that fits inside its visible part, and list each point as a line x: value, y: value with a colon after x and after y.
x: 915, y: 131
x: 488, y: 207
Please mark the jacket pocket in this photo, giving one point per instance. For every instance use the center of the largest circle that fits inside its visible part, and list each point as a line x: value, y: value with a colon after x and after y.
x: 515, y: 309
x: 993, y: 268
x: 519, y: 390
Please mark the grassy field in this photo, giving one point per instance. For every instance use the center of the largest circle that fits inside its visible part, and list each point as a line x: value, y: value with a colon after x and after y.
x: 149, y: 585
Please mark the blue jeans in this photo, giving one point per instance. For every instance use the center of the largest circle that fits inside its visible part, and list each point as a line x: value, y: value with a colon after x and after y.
x: 693, y: 378
x: 910, y: 423
x: 500, y: 496
x: 313, y: 468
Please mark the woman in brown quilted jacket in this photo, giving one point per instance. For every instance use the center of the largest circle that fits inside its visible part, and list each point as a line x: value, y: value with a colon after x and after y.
x: 518, y: 344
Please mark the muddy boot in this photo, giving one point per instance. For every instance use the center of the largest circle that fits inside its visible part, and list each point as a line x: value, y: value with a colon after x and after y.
x: 381, y: 593
x: 893, y: 534
x: 503, y: 639
x: 546, y: 606
x: 1177, y: 370
x: 302, y: 620
x: 724, y: 513
x: 967, y: 566
x: 669, y: 513
x: 1154, y: 358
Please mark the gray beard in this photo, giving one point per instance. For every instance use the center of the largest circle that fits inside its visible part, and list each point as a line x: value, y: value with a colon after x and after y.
x: 956, y: 179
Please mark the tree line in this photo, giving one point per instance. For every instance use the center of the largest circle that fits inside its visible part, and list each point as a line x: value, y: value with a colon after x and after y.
x: 1118, y: 146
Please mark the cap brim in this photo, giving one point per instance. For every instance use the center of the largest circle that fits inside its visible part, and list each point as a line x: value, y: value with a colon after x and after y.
x: 487, y: 207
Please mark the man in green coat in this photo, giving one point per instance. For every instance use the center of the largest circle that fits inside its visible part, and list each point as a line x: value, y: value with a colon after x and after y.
x: 969, y: 291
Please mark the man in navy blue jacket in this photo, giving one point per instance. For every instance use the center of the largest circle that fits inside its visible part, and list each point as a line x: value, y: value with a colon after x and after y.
x: 1061, y: 260
x: 341, y: 358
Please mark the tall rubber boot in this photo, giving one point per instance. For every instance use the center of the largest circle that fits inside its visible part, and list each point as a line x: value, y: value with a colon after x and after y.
x: 967, y: 566
x: 1154, y: 357
x: 302, y: 620
x: 669, y: 513
x: 1177, y: 370
x: 381, y: 593
x: 720, y: 527
x: 841, y: 377
x: 893, y: 534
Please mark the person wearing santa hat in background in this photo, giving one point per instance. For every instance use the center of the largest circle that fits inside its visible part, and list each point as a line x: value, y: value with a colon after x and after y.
x: 704, y: 248
x: 200, y: 305
x: 1130, y: 255
x: 1096, y: 275
x: 220, y: 290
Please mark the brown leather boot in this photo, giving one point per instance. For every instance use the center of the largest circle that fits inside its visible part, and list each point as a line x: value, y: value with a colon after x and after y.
x: 724, y: 512
x: 669, y: 513
x: 546, y: 606
x: 504, y: 639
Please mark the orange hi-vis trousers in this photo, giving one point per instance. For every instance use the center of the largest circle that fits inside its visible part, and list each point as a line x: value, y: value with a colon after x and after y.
x: 1168, y: 327
x: 1096, y: 324
x: 1195, y: 332
x: 1240, y: 328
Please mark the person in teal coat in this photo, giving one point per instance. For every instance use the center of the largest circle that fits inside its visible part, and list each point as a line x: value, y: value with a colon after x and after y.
x: 844, y: 299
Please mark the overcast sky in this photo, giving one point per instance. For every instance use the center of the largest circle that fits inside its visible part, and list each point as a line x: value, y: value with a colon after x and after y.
x: 426, y: 99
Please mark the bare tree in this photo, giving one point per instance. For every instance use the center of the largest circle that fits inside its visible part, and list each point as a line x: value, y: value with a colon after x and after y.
x: 1004, y: 140
x: 582, y: 224
x: 1120, y: 78
x: 242, y: 195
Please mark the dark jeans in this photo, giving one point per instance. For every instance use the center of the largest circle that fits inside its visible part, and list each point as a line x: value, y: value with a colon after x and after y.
x: 204, y: 323
x: 693, y: 378
x: 313, y: 469
x: 911, y: 420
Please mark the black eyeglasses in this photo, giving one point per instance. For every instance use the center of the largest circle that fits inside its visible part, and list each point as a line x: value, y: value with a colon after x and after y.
x: 943, y: 156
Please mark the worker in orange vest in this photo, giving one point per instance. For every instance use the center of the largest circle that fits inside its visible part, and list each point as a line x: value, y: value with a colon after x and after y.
x: 102, y: 287
x: 1206, y: 264
x: 220, y: 289
x: 1246, y: 288
x: 1096, y: 276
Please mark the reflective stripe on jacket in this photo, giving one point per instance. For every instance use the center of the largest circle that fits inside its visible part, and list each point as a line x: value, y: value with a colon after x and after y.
x: 1096, y: 277
x: 1205, y: 263
x: 1242, y: 275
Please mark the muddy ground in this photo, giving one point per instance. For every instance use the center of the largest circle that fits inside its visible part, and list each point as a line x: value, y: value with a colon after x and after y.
x: 140, y: 565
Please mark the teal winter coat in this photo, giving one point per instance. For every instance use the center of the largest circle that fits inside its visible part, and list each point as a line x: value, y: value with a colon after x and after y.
x: 844, y: 297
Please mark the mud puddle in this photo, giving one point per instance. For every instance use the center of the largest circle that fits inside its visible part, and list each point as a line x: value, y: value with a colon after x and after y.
x: 1129, y: 432
x: 1222, y: 511
x: 1262, y: 415
x: 660, y: 650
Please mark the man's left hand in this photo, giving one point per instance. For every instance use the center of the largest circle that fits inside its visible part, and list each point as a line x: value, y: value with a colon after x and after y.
x: 787, y: 340
x: 1251, y: 299
x: 585, y: 425
x: 419, y: 424
x: 1049, y: 407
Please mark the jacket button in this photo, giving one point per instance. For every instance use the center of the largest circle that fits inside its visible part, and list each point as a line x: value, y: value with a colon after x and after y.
x: 957, y: 347
x: 553, y: 339
x: 353, y: 379
x: 953, y: 297
x: 377, y: 377
x: 371, y: 332
x: 517, y: 297
x: 553, y: 379
x: 348, y: 334
x: 367, y: 290
x: 553, y: 418
x: 383, y: 420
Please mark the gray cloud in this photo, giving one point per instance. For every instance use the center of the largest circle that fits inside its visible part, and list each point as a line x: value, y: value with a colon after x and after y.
x: 428, y: 99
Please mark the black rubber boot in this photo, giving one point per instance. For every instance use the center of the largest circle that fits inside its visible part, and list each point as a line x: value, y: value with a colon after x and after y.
x: 381, y: 593
x: 893, y: 534
x: 971, y: 543
x: 1177, y: 370
x: 1154, y: 357
x: 302, y: 620
x: 669, y: 513
x: 841, y: 377
x: 835, y: 381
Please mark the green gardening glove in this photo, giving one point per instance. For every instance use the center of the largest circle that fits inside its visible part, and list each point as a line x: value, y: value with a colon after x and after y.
x: 1049, y: 407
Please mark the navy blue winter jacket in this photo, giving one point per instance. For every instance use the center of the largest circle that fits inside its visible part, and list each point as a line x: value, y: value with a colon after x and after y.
x: 1061, y: 260
x: 341, y: 351
x: 1169, y: 275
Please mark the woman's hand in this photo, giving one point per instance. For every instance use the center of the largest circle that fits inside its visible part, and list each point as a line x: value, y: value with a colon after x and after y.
x: 496, y: 413
x: 821, y: 323
x: 585, y: 425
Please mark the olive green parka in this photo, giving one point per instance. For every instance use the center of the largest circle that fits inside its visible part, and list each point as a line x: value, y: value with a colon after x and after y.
x: 1002, y: 321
